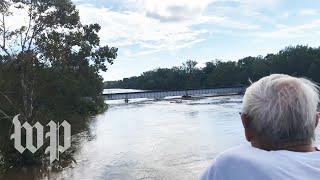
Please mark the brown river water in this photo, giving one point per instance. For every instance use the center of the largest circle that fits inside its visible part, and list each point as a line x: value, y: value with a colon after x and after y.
x: 168, y: 139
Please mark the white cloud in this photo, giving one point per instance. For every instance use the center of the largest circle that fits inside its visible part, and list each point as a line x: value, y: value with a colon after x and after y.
x: 137, y: 27
x: 133, y: 28
x: 259, y: 4
x: 308, y: 12
x: 285, y: 15
x: 294, y: 31
x: 174, y: 10
x: 163, y: 27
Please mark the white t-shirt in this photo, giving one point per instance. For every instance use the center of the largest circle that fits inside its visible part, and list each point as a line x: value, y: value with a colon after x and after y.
x: 245, y: 162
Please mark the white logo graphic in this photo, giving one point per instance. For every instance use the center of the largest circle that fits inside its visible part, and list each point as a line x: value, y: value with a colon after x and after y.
x: 53, y: 135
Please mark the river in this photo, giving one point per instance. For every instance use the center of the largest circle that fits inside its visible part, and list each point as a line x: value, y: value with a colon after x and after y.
x: 168, y: 139
x: 159, y: 140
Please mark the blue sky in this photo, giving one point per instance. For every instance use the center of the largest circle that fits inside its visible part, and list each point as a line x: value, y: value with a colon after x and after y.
x: 166, y: 33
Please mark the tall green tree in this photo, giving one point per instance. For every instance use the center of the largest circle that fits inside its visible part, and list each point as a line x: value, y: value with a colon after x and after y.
x: 49, y: 66
x: 52, y: 36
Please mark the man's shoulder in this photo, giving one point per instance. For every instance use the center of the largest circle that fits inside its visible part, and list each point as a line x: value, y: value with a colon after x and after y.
x: 253, y: 163
x: 237, y: 154
x: 237, y: 160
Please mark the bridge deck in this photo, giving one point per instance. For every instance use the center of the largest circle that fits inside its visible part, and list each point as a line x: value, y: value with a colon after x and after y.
x: 163, y: 94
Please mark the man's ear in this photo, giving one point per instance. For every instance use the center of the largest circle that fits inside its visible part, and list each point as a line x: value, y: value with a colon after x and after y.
x: 246, y: 125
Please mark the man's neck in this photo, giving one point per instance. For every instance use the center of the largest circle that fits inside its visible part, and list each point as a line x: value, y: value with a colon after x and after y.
x: 299, y: 148
x: 295, y: 147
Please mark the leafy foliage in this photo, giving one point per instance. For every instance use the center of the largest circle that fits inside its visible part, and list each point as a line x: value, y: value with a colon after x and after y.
x: 49, y: 67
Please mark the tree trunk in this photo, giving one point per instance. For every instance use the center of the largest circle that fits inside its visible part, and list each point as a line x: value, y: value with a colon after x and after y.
x: 27, y: 94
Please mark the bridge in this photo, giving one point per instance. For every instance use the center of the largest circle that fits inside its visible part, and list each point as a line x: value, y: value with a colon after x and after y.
x: 180, y: 93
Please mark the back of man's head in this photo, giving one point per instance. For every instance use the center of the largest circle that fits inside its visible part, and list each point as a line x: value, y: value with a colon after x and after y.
x: 282, y: 108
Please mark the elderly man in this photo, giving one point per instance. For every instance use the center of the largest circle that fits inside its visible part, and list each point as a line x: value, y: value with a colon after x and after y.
x: 279, y: 118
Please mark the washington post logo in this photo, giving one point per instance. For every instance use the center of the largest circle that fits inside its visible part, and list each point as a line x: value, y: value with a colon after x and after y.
x: 54, y: 148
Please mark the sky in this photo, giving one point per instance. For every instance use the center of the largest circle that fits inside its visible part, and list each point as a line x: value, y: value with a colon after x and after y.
x: 165, y: 33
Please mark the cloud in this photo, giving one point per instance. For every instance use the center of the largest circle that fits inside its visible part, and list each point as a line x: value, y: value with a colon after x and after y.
x: 258, y: 4
x: 174, y: 10
x: 133, y: 28
x: 174, y: 13
x: 308, y: 12
x: 153, y: 26
x: 294, y: 31
x: 285, y: 15
x: 144, y: 27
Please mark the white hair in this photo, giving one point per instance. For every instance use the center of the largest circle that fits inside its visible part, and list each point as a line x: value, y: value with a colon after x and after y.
x: 282, y: 108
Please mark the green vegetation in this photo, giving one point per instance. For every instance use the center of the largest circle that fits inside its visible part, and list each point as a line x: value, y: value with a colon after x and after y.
x: 297, y: 61
x: 48, y: 69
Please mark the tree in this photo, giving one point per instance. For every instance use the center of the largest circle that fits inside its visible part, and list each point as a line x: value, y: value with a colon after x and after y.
x: 297, y: 61
x: 51, y: 63
x: 52, y: 36
x: 189, y: 66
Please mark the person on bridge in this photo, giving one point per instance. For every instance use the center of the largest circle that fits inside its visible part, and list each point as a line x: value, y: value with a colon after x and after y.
x: 279, y: 117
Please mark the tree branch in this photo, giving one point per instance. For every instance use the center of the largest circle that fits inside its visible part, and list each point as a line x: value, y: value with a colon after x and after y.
x: 29, y: 27
x: 8, y: 99
x: 3, y: 46
x: 4, y: 114
x: 34, y: 33
x: 4, y: 30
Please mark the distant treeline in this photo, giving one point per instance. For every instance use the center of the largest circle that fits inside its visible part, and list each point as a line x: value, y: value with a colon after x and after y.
x: 301, y: 61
